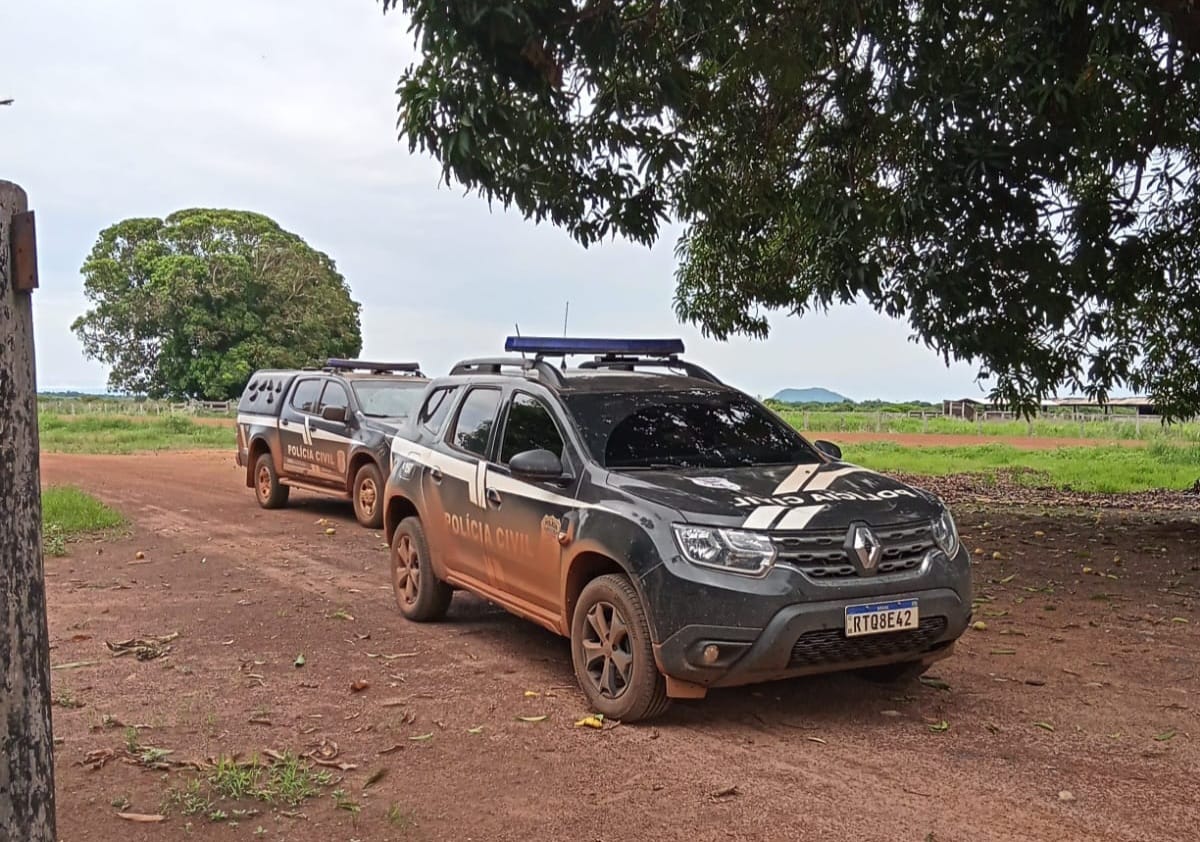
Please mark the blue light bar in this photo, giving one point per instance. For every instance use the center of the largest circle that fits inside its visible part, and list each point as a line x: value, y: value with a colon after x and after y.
x: 564, y: 345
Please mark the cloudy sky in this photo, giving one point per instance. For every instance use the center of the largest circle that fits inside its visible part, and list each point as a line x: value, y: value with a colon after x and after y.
x: 287, y: 107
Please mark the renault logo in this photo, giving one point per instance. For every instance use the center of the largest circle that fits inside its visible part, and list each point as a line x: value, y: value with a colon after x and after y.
x: 863, y: 548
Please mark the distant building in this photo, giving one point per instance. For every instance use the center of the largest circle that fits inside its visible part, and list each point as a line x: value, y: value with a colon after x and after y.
x: 1142, y: 406
x: 965, y: 408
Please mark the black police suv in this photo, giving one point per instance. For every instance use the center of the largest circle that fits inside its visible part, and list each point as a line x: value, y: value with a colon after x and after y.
x: 327, y: 431
x: 678, y: 531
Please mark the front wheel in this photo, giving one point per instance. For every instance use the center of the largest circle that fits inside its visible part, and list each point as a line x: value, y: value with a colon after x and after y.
x: 271, y: 493
x: 421, y: 596
x: 368, y: 496
x: 611, y: 652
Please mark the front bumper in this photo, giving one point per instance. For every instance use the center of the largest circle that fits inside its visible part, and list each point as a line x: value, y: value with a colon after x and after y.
x: 809, y: 638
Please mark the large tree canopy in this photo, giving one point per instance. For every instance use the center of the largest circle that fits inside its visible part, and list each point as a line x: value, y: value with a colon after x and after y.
x: 192, y: 304
x: 1016, y: 178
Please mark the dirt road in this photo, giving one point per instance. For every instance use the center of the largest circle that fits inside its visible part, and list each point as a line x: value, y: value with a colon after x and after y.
x: 1072, y: 716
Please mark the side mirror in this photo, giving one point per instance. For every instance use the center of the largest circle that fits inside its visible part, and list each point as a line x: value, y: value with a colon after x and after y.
x: 334, y: 413
x: 829, y: 449
x: 536, y: 465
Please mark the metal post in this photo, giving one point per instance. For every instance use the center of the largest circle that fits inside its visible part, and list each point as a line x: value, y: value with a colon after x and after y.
x: 27, y: 748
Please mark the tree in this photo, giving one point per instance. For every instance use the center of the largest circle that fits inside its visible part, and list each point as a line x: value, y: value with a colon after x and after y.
x: 1016, y: 178
x: 192, y: 304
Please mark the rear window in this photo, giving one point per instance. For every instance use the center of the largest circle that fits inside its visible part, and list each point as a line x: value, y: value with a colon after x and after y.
x: 436, y: 408
x: 307, y: 396
x: 696, y: 428
x: 473, y: 427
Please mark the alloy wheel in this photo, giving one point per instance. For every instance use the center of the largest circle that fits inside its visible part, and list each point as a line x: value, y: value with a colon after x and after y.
x: 608, y: 650
x: 406, y: 570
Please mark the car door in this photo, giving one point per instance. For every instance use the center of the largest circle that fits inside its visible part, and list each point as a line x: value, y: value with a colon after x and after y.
x: 524, y: 517
x: 332, y: 438
x: 454, y: 480
x: 299, y: 458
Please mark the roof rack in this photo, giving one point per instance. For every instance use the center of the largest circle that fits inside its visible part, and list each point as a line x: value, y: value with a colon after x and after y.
x: 619, y: 362
x: 334, y: 364
x: 496, y: 365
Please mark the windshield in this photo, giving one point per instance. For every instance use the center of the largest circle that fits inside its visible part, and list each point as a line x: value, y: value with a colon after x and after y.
x: 697, y: 428
x: 388, y: 398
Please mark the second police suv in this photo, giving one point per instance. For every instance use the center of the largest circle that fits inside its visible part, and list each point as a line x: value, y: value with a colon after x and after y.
x: 675, y: 529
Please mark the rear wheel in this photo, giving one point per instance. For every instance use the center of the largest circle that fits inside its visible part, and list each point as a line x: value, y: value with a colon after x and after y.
x: 420, y: 595
x: 611, y: 652
x: 271, y: 493
x: 894, y: 673
x: 368, y: 496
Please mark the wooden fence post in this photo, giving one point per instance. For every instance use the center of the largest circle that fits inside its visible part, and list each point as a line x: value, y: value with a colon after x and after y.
x: 27, y: 748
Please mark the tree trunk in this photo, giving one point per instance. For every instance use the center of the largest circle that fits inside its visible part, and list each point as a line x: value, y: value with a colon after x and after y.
x: 27, y: 755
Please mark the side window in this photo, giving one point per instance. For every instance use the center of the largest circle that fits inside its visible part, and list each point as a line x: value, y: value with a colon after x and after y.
x: 475, y: 420
x: 530, y: 426
x: 436, y: 407
x: 307, y: 396
x: 335, y: 395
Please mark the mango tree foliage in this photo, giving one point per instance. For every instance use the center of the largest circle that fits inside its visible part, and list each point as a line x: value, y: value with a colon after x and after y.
x: 192, y: 304
x: 1017, y: 179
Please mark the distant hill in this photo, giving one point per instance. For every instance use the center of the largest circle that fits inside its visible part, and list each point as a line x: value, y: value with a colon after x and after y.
x: 815, y: 395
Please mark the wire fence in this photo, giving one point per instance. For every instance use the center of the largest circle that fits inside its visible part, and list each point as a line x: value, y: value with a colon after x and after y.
x: 117, y: 406
x: 992, y: 424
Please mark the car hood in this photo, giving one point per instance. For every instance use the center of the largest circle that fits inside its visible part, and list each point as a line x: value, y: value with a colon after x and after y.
x: 387, y: 426
x: 781, y: 497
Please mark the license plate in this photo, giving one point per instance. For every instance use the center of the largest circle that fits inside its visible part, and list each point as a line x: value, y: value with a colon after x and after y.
x: 880, y: 617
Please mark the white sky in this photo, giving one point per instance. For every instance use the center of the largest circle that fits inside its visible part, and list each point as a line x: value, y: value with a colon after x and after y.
x: 287, y: 107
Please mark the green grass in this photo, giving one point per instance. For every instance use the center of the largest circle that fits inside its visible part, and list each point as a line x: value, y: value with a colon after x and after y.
x: 1109, y: 470
x: 124, y: 434
x: 1116, y: 428
x: 68, y: 514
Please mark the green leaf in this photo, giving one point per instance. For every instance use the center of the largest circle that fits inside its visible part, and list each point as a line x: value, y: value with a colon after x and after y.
x: 940, y: 726
x: 1165, y: 736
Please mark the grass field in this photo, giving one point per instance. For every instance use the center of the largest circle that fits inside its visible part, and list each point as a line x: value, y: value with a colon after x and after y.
x: 125, y: 434
x: 1114, y: 428
x: 68, y: 513
x: 1170, y: 461
x: 1108, y: 470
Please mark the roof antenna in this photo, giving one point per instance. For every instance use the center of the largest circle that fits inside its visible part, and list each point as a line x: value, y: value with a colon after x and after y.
x: 518, y: 328
x: 566, y: 312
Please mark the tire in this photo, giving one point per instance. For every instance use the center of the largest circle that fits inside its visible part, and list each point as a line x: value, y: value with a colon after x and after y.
x: 271, y: 493
x: 639, y: 691
x: 368, y: 496
x: 901, y: 673
x: 420, y: 595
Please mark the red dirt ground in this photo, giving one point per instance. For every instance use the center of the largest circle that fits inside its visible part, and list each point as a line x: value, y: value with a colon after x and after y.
x: 1108, y: 663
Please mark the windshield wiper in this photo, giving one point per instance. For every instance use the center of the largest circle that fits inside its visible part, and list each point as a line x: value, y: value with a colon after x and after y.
x: 651, y: 466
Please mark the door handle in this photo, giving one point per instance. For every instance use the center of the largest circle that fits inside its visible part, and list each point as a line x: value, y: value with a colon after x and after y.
x: 493, y: 497
x: 436, y: 474
x: 283, y: 422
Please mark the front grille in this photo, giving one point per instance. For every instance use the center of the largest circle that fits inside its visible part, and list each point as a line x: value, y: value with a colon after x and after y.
x: 822, y: 555
x: 831, y: 646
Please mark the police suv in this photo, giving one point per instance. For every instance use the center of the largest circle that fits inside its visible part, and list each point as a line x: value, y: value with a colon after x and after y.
x: 681, y: 534
x: 327, y: 431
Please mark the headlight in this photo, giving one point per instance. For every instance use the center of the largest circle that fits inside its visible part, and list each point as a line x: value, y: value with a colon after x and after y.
x: 732, y: 550
x: 946, y: 533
